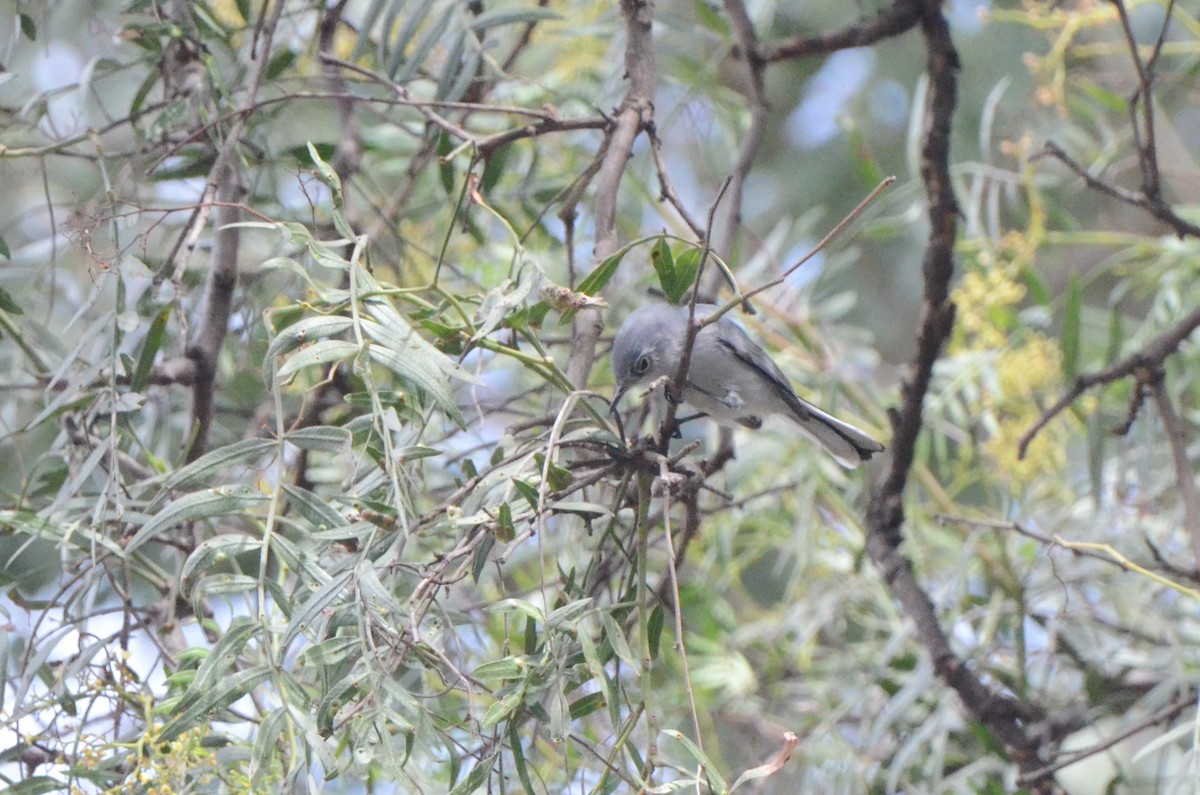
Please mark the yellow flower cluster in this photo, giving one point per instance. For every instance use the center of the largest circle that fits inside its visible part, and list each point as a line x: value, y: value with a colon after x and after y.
x: 1023, y: 374
x: 1017, y: 368
x: 980, y: 296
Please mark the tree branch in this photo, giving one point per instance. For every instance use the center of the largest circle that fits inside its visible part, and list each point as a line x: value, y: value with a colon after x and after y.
x: 1150, y: 357
x: 752, y: 140
x: 1002, y: 715
x: 225, y: 187
x: 891, y: 21
x: 1184, y: 475
x: 637, y: 110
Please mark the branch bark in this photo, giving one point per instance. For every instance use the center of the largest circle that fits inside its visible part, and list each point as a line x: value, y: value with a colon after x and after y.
x: 636, y: 111
x: 224, y: 186
x: 1002, y: 715
x: 890, y: 22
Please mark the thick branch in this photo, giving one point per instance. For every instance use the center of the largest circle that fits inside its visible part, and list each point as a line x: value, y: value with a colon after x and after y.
x: 218, y: 303
x: 1001, y: 714
x: 224, y: 186
x: 637, y: 110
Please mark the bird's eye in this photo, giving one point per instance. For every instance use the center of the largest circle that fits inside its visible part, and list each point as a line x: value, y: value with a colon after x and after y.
x: 641, y: 365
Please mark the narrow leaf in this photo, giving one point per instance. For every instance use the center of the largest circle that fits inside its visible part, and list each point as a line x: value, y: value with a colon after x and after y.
x: 595, y: 281
x: 324, y: 352
x: 1070, y: 333
x: 150, y: 347
x: 664, y: 265
x: 217, y: 461
x: 225, y: 691
x: 321, y: 438
x: 220, y: 501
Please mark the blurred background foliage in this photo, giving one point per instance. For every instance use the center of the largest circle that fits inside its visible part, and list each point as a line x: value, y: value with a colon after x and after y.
x: 408, y: 559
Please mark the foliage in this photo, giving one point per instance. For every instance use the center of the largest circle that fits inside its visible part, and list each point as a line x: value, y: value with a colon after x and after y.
x: 358, y: 523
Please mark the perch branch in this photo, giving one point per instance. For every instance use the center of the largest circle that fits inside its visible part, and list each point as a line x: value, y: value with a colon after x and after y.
x: 1150, y: 357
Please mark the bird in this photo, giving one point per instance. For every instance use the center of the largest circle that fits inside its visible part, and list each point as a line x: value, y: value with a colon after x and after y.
x: 730, y: 377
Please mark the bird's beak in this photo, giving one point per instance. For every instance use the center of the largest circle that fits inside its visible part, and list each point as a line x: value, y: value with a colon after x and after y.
x: 612, y: 405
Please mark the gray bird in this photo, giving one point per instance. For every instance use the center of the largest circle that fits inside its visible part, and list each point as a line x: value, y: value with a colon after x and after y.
x: 730, y: 377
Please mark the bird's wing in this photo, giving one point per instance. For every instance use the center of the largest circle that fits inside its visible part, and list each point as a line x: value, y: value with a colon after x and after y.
x: 732, y: 338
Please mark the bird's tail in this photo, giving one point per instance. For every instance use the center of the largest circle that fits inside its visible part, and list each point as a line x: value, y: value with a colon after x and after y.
x: 843, y: 441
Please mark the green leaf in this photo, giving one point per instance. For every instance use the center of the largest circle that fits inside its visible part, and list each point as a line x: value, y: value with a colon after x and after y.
x: 316, y: 610
x: 865, y: 162
x: 265, y: 736
x: 220, y: 501
x: 216, y: 461
x: 321, y: 438
x: 445, y: 167
x: 506, y: 668
x: 501, y: 709
x: 9, y: 305
x: 150, y: 347
x: 365, y: 28
x: 664, y: 265
x: 375, y: 595
x: 557, y: 477
x: 313, y: 508
x: 528, y: 491
x: 710, y: 18
x: 28, y: 28
x: 518, y: 754
x: 715, y: 781
x: 568, y: 613
x: 217, y: 663
x: 616, y: 638
x: 224, y: 692
x: 686, y: 266
x: 331, y: 651
x: 451, y: 66
x: 654, y: 626
x: 474, y: 780
x: 214, y: 551
x: 1116, y: 337
x: 600, y: 276
x: 431, y: 37
x: 223, y: 585
x: 1038, y: 290
x: 510, y: 16
x: 139, y: 97
x: 4, y: 252
x: 505, y: 529
x: 330, y: 177
x: 324, y: 352
x: 306, y: 330
x: 514, y: 604
x: 399, y: 45
x: 35, y: 785
x: 419, y: 374
x: 494, y: 168
x: 1070, y: 332
x: 279, y: 63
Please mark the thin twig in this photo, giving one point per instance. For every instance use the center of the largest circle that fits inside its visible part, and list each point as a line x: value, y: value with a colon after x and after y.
x: 674, y: 389
x: 830, y: 236
x: 752, y: 139
x: 889, y: 23
x: 1149, y: 357
x: 1167, y: 713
